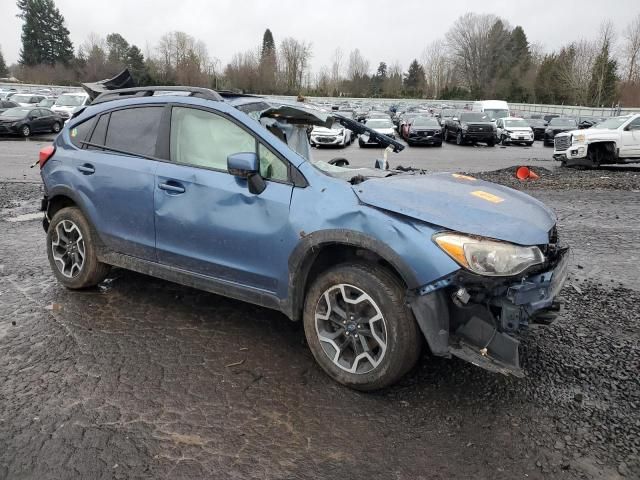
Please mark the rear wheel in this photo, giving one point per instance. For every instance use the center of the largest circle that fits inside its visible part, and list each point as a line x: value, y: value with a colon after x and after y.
x: 358, y: 327
x: 71, y: 248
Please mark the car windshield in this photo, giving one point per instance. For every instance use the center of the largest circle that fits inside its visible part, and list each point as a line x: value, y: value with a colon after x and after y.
x: 496, y: 113
x: 562, y: 122
x: 379, y: 123
x: 17, y: 112
x: 612, y: 123
x: 69, y: 100
x: 426, y: 122
x: 21, y: 98
x: 474, y: 117
x: 516, y: 123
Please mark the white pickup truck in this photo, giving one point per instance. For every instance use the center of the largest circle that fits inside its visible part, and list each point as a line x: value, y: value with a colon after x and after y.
x: 616, y: 140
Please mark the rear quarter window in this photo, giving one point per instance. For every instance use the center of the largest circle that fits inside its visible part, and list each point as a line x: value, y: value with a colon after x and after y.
x: 79, y: 133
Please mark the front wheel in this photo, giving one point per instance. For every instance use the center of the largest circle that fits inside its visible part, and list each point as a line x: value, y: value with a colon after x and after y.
x: 528, y: 144
x: 459, y: 139
x: 71, y: 248
x: 491, y: 143
x: 25, y: 131
x: 56, y: 127
x: 504, y: 140
x: 358, y: 327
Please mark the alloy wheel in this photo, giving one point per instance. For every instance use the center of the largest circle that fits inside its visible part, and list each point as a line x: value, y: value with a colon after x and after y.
x: 351, y: 329
x: 67, y: 246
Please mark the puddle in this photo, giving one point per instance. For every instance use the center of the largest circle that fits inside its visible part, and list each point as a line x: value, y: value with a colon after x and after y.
x: 26, y: 217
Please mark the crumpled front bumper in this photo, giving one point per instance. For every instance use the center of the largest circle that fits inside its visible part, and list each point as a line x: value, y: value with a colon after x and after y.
x: 458, y: 319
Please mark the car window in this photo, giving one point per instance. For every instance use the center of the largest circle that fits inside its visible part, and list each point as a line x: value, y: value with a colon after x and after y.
x: 78, y: 134
x: 35, y: 113
x: 635, y: 123
x: 134, y: 130
x: 100, y: 132
x: 204, y: 139
x: 271, y: 167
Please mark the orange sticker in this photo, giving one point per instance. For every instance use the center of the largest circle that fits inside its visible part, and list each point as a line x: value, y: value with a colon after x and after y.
x: 463, y: 177
x: 489, y: 197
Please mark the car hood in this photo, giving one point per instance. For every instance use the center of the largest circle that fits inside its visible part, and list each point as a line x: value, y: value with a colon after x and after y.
x: 518, y: 129
x: 462, y: 203
x: 324, y: 131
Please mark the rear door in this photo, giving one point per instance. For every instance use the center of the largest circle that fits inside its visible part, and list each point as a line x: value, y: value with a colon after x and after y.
x: 115, y: 172
x: 630, y: 140
x: 207, y: 221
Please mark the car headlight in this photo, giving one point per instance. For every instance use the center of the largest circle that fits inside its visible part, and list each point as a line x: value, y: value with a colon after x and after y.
x: 578, y: 138
x: 488, y: 257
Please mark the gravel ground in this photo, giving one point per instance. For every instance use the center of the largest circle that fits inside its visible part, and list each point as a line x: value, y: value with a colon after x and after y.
x: 612, y: 178
x: 122, y: 392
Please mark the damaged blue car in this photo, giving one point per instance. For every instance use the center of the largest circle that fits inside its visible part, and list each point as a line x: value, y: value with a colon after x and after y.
x: 220, y: 192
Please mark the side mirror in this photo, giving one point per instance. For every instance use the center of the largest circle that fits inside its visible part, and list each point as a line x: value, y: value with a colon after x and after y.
x: 247, y: 165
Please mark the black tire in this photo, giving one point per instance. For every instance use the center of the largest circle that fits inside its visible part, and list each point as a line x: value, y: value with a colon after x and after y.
x: 55, y: 128
x: 92, y: 271
x: 504, y: 140
x: 360, y: 144
x: 459, y: 139
x: 25, y: 131
x: 445, y: 134
x: 439, y: 144
x: 403, y: 338
x: 594, y: 157
x: 528, y: 144
x: 491, y: 143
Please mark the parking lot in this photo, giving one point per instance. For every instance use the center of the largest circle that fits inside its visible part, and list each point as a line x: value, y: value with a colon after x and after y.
x: 142, y: 378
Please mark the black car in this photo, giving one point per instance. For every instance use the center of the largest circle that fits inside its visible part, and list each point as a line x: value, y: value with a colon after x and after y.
x: 558, y: 125
x: 424, y: 131
x: 470, y: 127
x: 27, y: 120
x: 538, y: 125
x: 588, y: 121
x: 6, y: 105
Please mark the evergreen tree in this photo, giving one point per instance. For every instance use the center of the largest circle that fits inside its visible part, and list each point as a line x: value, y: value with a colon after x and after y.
x: 268, y: 64
x: 602, y: 88
x: 379, y: 79
x: 4, y: 71
x: 137, y: 67
x: 414, y: 79
x: 45, y: 39
x: 117, y: 48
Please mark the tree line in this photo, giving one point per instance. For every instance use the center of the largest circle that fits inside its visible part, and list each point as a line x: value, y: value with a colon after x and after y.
x: 481, y: 56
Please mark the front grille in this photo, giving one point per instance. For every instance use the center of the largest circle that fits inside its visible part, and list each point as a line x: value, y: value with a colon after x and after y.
x: 562, y: 143
x: 325, y: 139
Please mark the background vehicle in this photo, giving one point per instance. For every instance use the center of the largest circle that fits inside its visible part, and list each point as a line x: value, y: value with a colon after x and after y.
x: 380, y: 125
x: 585, y: 121
x: 67, y: 103
x: 27, y: 120
x: 26, y: 99
x: 423, y: 131
x: 7, y: 104
x: 368, y: 259
x: 47, y: 102
x: 615, y: 140
x: 493, y: 108
x: 538, y: 125
x: 337, y: 135
x: 557, y: 125
x: 470, y: 127
x: 514, y: 130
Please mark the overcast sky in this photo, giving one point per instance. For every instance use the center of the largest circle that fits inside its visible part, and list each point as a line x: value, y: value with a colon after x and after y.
x: 383, y: 30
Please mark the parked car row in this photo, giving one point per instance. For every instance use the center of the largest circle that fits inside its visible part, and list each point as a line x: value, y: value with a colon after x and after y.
x: 25, y: 121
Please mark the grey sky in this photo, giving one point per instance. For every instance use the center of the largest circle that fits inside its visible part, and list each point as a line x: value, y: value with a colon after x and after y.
x: 382, y: 30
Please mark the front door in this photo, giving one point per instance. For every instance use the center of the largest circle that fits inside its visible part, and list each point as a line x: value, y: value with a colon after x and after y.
x: 630, y: 140
x: 206, y: 220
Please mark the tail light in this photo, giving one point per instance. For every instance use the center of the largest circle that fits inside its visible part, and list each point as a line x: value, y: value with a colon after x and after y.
x: 45, y: 154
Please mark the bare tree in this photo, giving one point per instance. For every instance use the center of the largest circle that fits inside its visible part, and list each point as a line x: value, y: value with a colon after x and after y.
x: 438, y: 68
x: 575, y: 67
x: 470, y: 40
x: 294, y: 59
x: 336, y: 68
x: 631, y: 50
x: 393, y: 84
x: 358, y: 66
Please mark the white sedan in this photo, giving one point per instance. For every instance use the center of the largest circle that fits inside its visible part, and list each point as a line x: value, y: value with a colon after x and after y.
x: 514, y: 130
x: 337, y: 135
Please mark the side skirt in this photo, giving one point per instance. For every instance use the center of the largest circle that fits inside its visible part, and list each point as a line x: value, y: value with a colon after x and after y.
x: 220, y: 287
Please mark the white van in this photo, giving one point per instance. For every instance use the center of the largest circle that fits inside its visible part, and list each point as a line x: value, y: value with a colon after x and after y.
x: 495, y: 109
x: 67, y: 103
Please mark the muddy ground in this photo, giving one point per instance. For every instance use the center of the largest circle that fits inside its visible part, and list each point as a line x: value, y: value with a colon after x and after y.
x: 141, y: 378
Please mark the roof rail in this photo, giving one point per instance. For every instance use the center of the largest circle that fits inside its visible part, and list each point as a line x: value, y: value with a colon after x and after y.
x: 199, y: 92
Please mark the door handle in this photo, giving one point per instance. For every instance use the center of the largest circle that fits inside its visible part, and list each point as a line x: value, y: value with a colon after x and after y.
x: 171, y: 188
x: 87, y: 169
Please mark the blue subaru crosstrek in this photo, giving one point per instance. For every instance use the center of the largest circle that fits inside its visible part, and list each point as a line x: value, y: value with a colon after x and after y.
x: 219, y: 192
